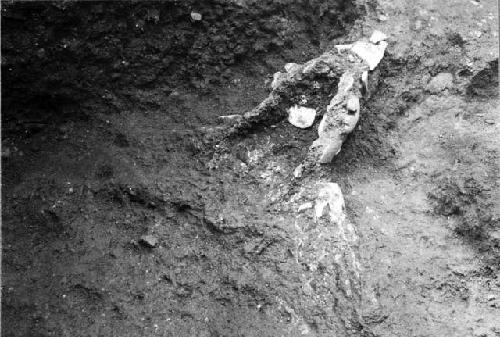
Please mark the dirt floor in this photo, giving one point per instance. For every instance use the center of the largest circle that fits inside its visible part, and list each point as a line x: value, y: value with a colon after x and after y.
x: 123, y: 215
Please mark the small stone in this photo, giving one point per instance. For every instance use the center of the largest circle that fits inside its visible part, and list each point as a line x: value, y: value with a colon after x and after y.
x: 153, y: 15
x: 489, y: 121
x: 460, y: 270
x: 352, y: 104
x: 292, y: 67
x: 370, y: 53
x: 297, y: 173
x: 301, y: 117
x: 5, y: 152
x: 440, y: 82
x: 331, y: 195
x: 364, y: 79
x: 115, y: 253
x: 383, y: 17
x: 491, y: 297
x: 278, y: 79
x: 230, y: 119
x: 307, y: 205
x: 342, y: 47
x: 377, y: 36
x: 316, y: 66
x: 328, y: 148
x: 149, y: 241
x: 196, y: 16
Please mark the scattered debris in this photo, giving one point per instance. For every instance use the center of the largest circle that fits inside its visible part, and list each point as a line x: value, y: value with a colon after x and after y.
x: 148, y: 241
x: 301, y: 117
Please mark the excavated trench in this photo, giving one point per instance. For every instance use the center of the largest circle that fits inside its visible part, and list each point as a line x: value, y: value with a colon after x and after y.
x: 131, y: 209
x: 116, y: 219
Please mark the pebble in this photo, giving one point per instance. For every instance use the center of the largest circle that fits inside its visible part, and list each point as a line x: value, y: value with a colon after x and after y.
x: 370, y: 53
x: 5, y: 152
x: 364, y: 80
x: 297, y: 173
x: 383, y: 17
x: 352, y: 104
x: 149, y: 241
x: 301, y: 117
x: 291, y: 67
x: 440, y: 82
x: 305, y: 206
x: 196, y: 16
x: 231, y: 119
x: 331, y: 195
x: 489, y: 121
x: 328, y: 148
x: 278, y: 79
x: 377, y: 36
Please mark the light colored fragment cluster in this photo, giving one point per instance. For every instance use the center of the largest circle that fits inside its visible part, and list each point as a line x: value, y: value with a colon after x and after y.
x: 349, y: 64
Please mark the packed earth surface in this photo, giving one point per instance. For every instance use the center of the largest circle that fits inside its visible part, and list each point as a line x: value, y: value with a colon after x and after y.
x: 129, y: 209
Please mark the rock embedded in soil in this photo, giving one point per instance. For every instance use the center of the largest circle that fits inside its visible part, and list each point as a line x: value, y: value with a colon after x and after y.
x: 305, y: 206
x: 377, y: 36
x: 301, y: 117
x: 149, y: 241
x: 230, y: 119
x: 297, y: 173
x: 439, y: 83
x: 371, y: 53
x: 196, y: 16
x: 341, y: 117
